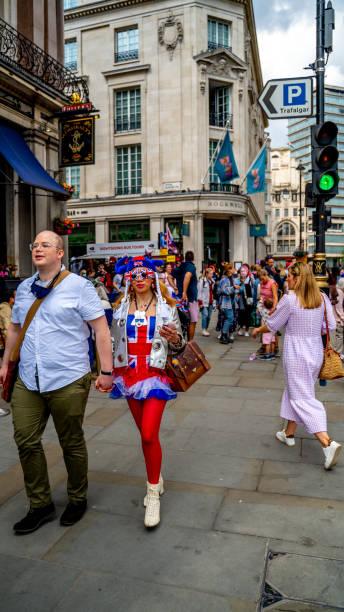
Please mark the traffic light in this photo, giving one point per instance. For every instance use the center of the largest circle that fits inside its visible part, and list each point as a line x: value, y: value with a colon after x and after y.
x: 325, y: 176
x: 324, y: 219
x: 310, y: 201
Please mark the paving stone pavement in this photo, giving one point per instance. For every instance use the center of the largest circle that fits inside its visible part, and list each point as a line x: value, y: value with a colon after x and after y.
x: 243, y: 516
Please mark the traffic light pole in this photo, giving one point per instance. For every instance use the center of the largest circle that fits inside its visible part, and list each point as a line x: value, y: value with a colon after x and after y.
x: 319, y: 261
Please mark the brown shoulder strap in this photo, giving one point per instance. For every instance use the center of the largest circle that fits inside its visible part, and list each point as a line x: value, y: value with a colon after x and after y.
x: 30, y: 315
x: 326, y: 321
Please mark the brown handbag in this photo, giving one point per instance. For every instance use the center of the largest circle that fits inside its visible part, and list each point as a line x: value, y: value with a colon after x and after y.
x: 185, y: 368
x: 332, y: 366
x: 12, y: 370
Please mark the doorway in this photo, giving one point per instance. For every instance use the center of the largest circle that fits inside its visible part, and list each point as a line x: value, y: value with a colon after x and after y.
x: 216, y: 240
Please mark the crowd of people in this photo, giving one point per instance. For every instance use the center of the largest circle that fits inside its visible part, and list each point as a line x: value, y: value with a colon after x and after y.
x: 131, y: 315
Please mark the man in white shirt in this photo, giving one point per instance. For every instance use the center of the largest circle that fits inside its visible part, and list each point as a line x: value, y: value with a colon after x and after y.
x: 54, y: 378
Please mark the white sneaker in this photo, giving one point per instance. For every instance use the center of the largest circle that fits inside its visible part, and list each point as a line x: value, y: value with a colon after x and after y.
x: 219, y: 336
x: 331, y: 454
x: 247, y: 334
x: 161, y: 489
x: 205, y: 332
x: 231, y: 336
x: 152, y: 516
x: 280, y: 435
x: 240, y: 332
x: 4, y: 411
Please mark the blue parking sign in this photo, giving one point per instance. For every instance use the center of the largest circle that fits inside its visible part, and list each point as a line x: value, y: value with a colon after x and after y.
x: 294, y: 94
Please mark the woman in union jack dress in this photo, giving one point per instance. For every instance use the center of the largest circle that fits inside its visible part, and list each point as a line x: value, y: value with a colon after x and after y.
x: 145, y: 329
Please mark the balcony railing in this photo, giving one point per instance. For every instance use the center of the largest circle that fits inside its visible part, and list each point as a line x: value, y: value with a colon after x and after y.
x: 220, y: 119
x: 128, y: 190
x: 26, y: 59
x: 127, y: 125
x: 224, y: 187
x: 126, y: 56
x: 212, y: 46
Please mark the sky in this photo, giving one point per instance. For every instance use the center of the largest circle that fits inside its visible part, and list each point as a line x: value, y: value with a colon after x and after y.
x: 286, y: 32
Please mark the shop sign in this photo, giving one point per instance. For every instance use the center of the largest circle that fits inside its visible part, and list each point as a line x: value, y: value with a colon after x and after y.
x: 120, y: 249
x: 76, y: 142
x: 170, y: 258
x: 163, y: 252
x: 225, y: 204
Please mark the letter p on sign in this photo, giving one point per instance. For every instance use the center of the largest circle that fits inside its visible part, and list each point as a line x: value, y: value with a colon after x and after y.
x: 294, y: 94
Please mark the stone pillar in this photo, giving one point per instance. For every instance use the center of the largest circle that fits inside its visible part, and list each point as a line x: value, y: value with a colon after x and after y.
x: 195, y: 241
x: 156, y: 225
x: 102, y: 231
x: 240, y: 240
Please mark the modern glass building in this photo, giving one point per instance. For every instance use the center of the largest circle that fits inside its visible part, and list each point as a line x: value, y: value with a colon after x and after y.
x: 299, y: 134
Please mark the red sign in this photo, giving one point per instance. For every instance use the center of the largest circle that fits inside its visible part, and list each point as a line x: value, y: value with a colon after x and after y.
x: 76, y: 107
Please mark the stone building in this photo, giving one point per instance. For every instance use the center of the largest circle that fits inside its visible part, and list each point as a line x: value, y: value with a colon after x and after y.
x: 285, y: 204
x: 167, y: 77
x: 33, y: 86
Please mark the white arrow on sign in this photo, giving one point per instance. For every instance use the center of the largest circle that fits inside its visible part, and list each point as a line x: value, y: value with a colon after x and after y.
x: 287, y: 98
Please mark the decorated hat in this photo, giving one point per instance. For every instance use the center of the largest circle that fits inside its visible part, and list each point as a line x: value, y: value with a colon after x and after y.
x: 127, y: 264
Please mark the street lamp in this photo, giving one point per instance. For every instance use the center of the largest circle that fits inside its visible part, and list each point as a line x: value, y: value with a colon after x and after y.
x: 301, y: 169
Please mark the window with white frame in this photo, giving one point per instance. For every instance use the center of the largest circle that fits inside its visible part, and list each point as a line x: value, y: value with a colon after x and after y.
x: 218, y: 35
x: 127, y: 44
x: 73, y: 179
x: 71, y: 54
x: 219, y: 106
x: 128, y: 170
x: 127, y: 110
x: 286, y: 238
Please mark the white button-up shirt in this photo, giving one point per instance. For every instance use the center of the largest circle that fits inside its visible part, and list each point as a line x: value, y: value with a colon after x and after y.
x: 55, y: 346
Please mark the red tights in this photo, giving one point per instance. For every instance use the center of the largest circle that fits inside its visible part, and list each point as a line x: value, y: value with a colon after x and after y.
x: 147, y: 415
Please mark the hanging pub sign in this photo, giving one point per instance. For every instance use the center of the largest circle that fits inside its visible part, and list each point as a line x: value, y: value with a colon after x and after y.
x: 77, y: 141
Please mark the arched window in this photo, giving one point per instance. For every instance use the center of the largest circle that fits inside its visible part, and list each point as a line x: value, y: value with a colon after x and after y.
x: 286, y: 238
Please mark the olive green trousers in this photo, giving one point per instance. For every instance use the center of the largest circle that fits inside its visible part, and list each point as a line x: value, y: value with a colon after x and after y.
x: 30, y: 411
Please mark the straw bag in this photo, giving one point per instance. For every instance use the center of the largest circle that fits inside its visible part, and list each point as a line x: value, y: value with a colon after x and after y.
x: 332, y: 366
x: 186, y: 367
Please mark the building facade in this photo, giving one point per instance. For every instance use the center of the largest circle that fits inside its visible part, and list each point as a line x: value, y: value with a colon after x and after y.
x: 287, y: 211
x: 299, y: 134
x: 167, y: 78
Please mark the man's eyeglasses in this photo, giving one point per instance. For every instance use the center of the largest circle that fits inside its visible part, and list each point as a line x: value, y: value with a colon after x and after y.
x: 43, y: 245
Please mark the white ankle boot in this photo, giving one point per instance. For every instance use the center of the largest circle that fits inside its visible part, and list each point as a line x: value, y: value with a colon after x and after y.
x: 161, y: 489
x: 152, y: 516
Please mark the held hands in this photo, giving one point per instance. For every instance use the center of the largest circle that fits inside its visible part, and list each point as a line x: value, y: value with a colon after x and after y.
x: 169, y: 332
x: 185, y: 297
x: 3, y: 374
x: 104, y: 383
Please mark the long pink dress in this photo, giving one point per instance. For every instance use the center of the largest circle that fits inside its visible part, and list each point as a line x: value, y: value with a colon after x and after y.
x: 302, y: 359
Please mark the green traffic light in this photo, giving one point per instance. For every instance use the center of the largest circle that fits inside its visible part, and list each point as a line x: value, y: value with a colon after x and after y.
x: 326, y: 182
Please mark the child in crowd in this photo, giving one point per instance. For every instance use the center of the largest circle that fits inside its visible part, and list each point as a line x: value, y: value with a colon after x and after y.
x: 268, y: 339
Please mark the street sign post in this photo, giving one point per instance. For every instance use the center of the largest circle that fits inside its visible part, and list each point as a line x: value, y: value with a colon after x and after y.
x: 287, y: 98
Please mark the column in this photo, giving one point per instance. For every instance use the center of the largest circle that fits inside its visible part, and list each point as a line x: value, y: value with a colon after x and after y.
x: 240, y: 240
x: 102, y: 231
x: 155, y: 227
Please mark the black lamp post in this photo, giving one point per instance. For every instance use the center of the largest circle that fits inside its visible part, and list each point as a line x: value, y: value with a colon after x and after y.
x: 301, y: 169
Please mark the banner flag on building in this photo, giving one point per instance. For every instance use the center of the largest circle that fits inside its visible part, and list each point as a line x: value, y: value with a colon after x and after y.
x: 169, y: 240
x: 225, y: 165
x: 256, y: 174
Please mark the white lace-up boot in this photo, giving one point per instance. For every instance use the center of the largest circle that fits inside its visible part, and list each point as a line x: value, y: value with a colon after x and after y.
x: 161, y: 489
x: 152, y: 516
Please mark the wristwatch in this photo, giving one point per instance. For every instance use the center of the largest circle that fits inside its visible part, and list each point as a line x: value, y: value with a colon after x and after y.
x: 105, y: 373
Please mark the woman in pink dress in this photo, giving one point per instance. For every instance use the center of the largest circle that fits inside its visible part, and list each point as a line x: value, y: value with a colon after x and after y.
x: 302, y: 313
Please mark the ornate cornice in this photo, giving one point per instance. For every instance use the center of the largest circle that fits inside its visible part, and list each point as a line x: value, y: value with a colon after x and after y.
x: 99, y: 7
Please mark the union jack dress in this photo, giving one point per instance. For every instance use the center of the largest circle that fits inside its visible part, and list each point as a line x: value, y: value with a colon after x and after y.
x: 138, y: 380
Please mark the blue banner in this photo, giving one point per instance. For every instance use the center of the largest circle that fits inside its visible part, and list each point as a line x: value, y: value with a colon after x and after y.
x: 256, y: 174
x: 225, y: 165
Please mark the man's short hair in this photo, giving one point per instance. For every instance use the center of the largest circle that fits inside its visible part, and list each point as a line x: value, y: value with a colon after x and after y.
x: 59, y: 241
x: 189, y: 256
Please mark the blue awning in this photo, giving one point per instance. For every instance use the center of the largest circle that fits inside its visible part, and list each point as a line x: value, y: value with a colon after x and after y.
x: 14, y: 148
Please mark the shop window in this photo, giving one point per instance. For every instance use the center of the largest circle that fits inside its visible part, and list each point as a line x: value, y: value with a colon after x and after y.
x: 129, y: 231
x: 82, y: 236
